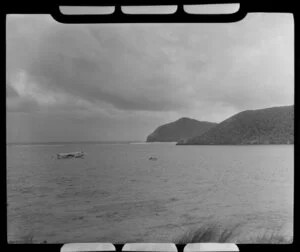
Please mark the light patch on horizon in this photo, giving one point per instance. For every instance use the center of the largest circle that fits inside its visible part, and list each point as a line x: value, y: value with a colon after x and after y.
x: 120, y: 81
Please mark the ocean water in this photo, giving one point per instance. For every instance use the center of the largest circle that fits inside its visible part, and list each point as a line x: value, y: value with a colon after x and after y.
x: 116, y: 194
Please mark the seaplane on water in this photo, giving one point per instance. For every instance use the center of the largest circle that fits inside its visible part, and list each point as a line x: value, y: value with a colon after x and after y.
x: 78, y: 154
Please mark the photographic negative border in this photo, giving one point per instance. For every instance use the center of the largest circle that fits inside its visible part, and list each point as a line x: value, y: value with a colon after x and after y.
x: 179, y: 17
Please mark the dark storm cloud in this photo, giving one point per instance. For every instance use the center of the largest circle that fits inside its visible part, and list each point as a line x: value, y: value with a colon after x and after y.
x: 148, y: 74
x: 21, y: 104
x: 10, y: 92
x: 135, y: 67
x: 108, y: 68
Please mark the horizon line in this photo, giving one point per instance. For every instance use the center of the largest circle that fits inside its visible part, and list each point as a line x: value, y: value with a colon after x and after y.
x: 70, y: 142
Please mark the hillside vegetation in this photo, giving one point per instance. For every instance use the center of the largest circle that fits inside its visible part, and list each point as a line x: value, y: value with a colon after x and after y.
x: 263, y: 126
x: 183, y: 128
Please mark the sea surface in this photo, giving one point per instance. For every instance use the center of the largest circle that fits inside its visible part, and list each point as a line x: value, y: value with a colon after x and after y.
x: 116, y: 194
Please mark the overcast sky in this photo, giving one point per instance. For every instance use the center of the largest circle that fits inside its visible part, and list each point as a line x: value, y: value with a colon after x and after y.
x: 89, y: 82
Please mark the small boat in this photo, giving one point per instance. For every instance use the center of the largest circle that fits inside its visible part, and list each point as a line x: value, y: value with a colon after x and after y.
x: 152, y: 158
x: 78, y: 154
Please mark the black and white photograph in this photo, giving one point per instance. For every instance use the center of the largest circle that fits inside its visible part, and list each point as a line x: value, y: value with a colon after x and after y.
x: 150, y: 132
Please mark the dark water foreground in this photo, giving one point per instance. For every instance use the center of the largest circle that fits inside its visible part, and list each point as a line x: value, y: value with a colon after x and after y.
x: 116, y: 194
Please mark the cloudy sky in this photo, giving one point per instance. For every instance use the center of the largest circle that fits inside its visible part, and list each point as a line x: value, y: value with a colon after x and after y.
x: 93, y: 82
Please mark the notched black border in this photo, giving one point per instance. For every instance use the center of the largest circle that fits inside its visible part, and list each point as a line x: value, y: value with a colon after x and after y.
x: 120, y: 17
x: 178, y: 17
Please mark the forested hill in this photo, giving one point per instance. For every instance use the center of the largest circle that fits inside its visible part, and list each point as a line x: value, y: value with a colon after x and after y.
x: 263, y: 126
x: 183, y: 128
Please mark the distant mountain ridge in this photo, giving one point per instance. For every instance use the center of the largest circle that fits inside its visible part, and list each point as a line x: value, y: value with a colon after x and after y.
x: 175, y: 131
x: 262, y: 126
